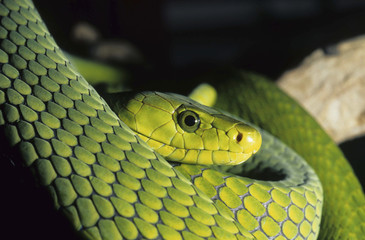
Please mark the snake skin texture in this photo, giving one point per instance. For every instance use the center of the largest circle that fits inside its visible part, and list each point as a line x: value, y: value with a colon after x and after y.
x: 108, y: 182
x: 288, y: 207
x: 343, y: 214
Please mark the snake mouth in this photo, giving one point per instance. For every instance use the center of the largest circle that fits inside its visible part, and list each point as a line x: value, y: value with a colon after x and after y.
x: 199, y: 156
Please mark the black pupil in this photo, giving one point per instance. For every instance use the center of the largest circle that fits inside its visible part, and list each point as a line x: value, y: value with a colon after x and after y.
x: 190, y: 120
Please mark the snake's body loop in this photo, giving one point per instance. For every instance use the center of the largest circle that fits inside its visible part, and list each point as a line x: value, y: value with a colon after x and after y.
x: 111, y: 184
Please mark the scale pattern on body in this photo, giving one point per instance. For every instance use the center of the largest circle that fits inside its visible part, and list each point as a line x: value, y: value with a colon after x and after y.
x: 109, y: 182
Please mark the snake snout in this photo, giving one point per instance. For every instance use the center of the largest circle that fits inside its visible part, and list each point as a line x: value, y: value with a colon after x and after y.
x: 248, y: 138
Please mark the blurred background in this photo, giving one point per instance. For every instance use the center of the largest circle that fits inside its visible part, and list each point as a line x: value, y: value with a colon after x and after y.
x: 174, y: 39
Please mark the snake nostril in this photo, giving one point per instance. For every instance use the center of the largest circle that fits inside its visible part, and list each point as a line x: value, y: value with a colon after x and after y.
x: 239, y: 137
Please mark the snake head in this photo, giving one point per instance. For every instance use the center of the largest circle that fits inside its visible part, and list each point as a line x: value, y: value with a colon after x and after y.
x: 183, y: 130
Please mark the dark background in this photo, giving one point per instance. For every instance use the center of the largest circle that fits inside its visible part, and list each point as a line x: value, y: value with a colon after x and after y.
x: 174, y: 37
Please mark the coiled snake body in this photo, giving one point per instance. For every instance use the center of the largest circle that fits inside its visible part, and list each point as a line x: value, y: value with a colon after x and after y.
x: 112, y: 185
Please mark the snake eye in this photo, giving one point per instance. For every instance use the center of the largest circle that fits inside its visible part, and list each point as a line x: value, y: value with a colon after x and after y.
x: 189, y: 121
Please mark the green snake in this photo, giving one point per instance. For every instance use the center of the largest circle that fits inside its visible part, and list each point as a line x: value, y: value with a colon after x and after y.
x: 106, y: 170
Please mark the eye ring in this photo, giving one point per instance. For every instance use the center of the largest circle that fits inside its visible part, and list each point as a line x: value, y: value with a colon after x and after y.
x: 189, y: 121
